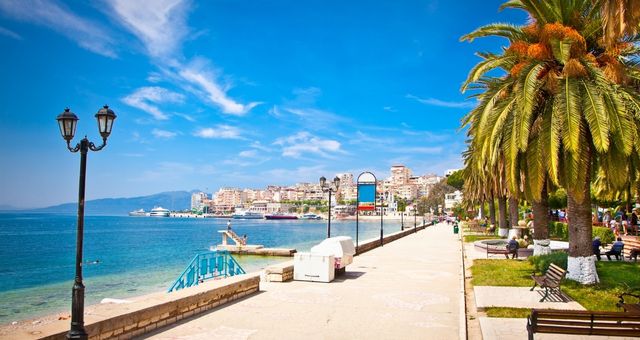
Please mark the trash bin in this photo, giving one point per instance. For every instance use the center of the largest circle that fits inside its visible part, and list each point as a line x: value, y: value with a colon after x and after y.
x: 342, y: 249
x: 455, y: 228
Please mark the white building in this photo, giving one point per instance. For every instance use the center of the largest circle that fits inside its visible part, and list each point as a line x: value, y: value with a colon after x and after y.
x: 450, y: 200
x: 199, y: 200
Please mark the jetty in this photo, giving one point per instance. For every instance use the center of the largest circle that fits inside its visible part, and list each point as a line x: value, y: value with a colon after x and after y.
x: 240, y: 246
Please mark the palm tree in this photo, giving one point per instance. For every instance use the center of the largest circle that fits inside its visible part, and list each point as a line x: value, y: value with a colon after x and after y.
x: 564, y: 95
x: 619, y: 18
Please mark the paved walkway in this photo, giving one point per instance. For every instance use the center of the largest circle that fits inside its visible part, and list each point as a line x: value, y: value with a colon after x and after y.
x: 510, y: 329
x: 408, y: 289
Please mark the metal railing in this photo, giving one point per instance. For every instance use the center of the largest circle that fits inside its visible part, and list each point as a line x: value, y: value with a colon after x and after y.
x: 205, y: 266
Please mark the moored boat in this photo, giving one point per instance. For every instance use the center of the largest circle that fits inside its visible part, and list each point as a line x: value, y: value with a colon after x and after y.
x: 310, y: 216
x: 139, y: 212
x: 280, y: 217
x: 247, y: 215
x: 159, y: 212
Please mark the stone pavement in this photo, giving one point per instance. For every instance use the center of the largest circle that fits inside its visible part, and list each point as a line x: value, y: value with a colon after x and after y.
x: 408, y: 289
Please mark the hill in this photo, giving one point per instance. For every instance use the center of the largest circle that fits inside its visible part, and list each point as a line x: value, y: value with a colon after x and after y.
x: 172, y: 200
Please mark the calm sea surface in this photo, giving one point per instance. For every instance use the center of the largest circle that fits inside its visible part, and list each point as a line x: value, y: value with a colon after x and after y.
x: 137, y: 255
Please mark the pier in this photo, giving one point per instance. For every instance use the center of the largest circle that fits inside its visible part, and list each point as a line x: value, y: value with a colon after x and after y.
x: 240, y: 246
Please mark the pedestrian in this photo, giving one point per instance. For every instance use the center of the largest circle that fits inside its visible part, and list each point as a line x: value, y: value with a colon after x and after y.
x: 596, y: 244
x: 229, y: 225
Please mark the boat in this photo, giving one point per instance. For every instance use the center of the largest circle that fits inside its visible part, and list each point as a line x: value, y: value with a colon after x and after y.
x: 159, y: 212
x: 280, y: 217
x: 247, y: 215
x: 310, y: 216
x: 139, y: 212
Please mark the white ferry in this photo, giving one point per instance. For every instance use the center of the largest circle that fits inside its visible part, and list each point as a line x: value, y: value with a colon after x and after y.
x: 139, y: 212
x: 310, y: 216
x: 247, y: 215
x: 159, y: 212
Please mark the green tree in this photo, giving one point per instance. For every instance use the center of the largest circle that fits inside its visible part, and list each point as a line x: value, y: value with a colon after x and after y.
x: 436, y: 195
x: 456, y: 179
x: 561, y: 111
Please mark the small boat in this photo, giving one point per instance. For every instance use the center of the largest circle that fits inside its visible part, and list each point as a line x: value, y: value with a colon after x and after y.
x: 247, y: 215
x: 280, y: 217
x: 310, y: 216
x: 139, y: 212
x: 159, y: 212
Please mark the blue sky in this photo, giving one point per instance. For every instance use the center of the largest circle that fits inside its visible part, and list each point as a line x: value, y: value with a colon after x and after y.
x: 232, y: 93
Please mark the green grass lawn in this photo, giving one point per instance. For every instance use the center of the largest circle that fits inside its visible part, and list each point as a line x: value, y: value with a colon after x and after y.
x: 615, y: 278
x: 473, y: 238
x: 507, y: 312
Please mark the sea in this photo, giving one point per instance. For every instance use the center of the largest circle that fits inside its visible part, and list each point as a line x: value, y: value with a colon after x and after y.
x: 130, y: 256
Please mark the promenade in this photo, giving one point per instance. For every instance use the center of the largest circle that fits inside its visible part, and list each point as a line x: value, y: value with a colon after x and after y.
x: 407, y: 289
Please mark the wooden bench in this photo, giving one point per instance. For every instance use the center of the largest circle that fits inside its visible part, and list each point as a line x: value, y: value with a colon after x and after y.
x: 628, y: 306
x: 549, y: 280
x: 630, y: 243
x: 583, y: 323
x: 494, y: 250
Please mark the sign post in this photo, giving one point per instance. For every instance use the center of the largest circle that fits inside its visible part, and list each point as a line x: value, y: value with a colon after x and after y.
x: 366, y: 196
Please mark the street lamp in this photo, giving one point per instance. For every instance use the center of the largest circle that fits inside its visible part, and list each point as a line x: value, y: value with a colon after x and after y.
x: 328, y: 187
x: 415, y: 218
x: 67, y: 121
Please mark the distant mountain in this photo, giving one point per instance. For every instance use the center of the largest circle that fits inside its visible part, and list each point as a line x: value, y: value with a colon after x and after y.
x: 172, y: 200
x: 7, y: 207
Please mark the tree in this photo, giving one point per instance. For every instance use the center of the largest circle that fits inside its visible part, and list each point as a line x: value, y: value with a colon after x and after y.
x: 436, y: 195
x: 456, y: 179
x: 563, y: 109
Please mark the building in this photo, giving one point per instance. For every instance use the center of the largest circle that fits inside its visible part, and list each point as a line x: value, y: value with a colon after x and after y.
x: 230, y: 197
x: 400, y: 175
x: 199, y: 200
x: 450, y: 200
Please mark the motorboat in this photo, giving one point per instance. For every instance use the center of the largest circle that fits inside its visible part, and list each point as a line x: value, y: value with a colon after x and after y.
x: 159, y: 212
x: 310, y: 216
x: 247, y: 215
x: 139, y: 212
x: 280, y: 217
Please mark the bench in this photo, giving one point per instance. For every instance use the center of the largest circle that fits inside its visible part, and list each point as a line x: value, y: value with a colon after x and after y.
x: 549, y: 280
x: 583, y: 323
x: 629, y: 306
x: 630, y: 243
x: 493, y: 250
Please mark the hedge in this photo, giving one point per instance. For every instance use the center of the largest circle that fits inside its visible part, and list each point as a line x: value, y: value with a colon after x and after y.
x: 559, y: 230
x: 541, y: 262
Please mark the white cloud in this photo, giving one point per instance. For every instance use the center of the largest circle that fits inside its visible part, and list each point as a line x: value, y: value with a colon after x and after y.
x: 9, y: 33
x: 159, y: 24
x: 199, y: 73
x: 142, y: 97
x: 418, y: 149
x: 389, y: 109
x: 163, y: 133
x: 442, y: 103
x: 304, y: 143
x: 57, y: 17
x: 220, y: 132
x: 248, y: 153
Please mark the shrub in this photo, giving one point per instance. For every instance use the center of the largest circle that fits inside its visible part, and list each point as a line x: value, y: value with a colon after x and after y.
x: 541, y: 262
x: 558, y: 230
x: 606, y: 235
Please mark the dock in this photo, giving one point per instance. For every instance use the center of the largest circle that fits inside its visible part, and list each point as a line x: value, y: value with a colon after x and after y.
x: 240, y: 246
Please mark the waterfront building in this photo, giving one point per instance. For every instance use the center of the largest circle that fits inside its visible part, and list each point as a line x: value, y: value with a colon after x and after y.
x: 450, y: 200
x: 199, y: 200
x: 400, y: 175
x: 230, y: 197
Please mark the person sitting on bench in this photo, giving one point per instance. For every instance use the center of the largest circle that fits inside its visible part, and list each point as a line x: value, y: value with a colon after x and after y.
x: 616, y: 249
x: 512, y: 247
x: 596, y: 244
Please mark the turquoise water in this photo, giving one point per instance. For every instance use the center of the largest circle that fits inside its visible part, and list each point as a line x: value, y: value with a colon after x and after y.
x: 137, y: 255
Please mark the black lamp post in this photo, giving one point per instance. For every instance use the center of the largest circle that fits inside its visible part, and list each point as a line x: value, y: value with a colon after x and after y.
x: 415, y: 218
x: 328, y: 187
x: 67, y: 122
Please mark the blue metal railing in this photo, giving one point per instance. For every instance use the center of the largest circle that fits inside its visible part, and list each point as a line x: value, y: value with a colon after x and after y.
x: 205, y: 266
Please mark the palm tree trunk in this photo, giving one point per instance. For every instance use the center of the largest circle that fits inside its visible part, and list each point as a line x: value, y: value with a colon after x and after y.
x: 513, y: 211
x: 541, y: 223
x: 481, y: 210
x: 502, y: 215
x: 581, y: 264
x: 492, y: 210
